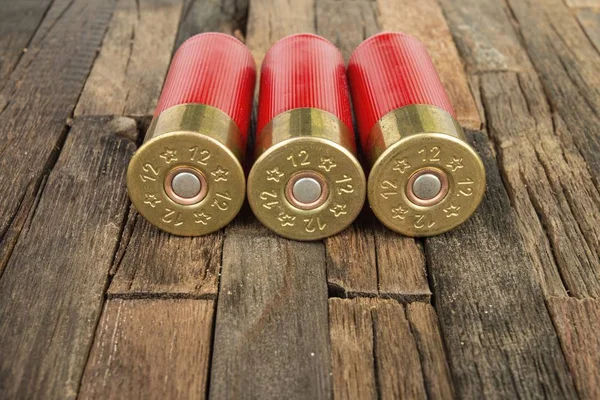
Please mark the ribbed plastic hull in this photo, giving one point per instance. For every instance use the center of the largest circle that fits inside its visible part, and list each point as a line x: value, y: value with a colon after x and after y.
x: 389, y: 71
x: 300, y: 71
x: 213, y: 69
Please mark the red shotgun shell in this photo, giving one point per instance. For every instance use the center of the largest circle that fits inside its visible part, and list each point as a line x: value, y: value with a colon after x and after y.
x: 425, y: 179
x: 187, y: 177
x: 306, y: 182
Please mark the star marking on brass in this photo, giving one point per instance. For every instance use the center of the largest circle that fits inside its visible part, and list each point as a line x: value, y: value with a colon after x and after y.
x: 274, y: 175
x: 151, y: 199
x: 401, y: 165
x: 327, y: 163
x: 202, y: 217
x: 286, y: 219
x: 169, y: 155
x: 220, y: 174
x: 455, y: 164
x: 399, y: 212
x: 338, y: 209
x: 451, y: 211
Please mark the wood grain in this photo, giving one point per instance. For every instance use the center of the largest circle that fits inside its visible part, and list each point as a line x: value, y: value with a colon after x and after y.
x: 549, y: 184
x: 383, y: 349
x: 582, y: 3
x: 577, y: 323
x: 485, y: 37
x: 381, y: 263
x: 353, y: 273
x: 567, y: 63
x: 425, y: 329
x: 127, y: 76
x: 157, y: 264
x: 150, y: 349
x: 499, y: 338
x: 398, y: 365
x: 346, y: 23
x: 18, y: 22
x: 52, y: 291
x: 589, y: 19
x: 212, y: 16
x: 400, y: 267
x: 271, y: 333
x: 352, y: 349
x: 424, y: 20
x: 152, y: 264
x: 42, y: 93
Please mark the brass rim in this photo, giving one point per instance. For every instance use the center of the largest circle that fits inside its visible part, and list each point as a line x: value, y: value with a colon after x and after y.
x: 310, y: 150
x: 304, y: 122
x: 406, y: 143
x: 203, y: 150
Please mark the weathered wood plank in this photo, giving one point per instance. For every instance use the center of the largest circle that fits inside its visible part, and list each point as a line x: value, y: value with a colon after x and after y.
x: 18, y: 22
x: 589, y: 19
x: 212, y: 16
x: 400, y: 267
x: 485, y: 37
x: 536, y: 151
x: 567, y: 63
x: 271, y: 333
x: 578, y: 323
x: 549, y: 184
x: 42, y: 93
x: 157, y: 264
x: 346, y: 23
x: 353, y: 273
x: 378, y: 351
x: 52, y: 291
x: 150, y: 349
x: 398, y: 367
x: 499, y: 337
x: 425, y: 329
x: 424, y: 20
x: 128, y: 74
x: 381, y: 263
x: 582, y: 3
x: 352, y: 349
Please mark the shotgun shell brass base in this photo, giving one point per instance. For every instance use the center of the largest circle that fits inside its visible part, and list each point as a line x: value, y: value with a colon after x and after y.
x: 306, y: 184
x: 187, y: 178
x: 425, y: 178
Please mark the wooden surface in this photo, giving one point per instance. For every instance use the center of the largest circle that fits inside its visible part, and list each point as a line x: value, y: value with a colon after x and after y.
x: 96, y: 303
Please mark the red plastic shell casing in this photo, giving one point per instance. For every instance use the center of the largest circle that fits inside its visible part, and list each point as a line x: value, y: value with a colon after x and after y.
x: 303, y: 71
x: 187, y: 178
x: 411, y: 137
x: 214, y: 69
x: 306, y: 182
x: 388, y: 71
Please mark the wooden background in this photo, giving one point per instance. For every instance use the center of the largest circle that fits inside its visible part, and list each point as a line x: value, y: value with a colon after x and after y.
x: 96, y: 303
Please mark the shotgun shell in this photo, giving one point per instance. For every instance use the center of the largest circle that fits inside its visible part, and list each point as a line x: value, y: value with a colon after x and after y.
x: 425, y: 179
x: 306, y: 182
x: 187, y: 177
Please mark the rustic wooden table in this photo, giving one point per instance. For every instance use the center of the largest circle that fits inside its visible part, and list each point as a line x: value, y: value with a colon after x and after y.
x: 96, y: 303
